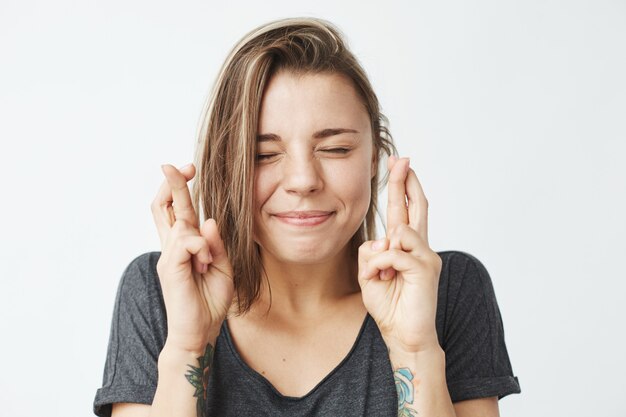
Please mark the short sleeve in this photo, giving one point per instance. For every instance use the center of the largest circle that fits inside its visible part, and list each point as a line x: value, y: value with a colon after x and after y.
x: 477, y: 361
x: 137, y: 336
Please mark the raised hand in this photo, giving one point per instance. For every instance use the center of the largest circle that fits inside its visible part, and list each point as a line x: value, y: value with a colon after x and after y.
x: 399, y: 274
x: 194, y: 270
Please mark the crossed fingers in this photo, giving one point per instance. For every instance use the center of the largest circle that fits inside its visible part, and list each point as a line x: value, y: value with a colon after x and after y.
x: 172, y: 209
x: 407, y: 211
x: 406, y: 202
x: 173, y: 201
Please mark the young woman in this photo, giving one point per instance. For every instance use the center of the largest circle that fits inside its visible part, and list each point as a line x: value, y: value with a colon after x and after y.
x: 282, y: 302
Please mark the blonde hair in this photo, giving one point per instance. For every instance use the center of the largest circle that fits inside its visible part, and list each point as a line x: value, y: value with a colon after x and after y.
x: 225, y: 154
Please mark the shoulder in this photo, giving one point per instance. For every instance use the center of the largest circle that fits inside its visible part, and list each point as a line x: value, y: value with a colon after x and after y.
x: 144, y: 264
x: 456, y: 259
x: 140, y: 277
x: 466, y: 296
x: 471, y: 331
x: 139, y: 306
x: 461, y: 269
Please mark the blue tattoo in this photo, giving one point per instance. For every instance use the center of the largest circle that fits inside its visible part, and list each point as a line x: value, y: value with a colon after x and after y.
x: 404, y: 387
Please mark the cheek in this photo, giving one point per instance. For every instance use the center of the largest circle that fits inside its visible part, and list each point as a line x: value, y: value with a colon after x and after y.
x: 353, y: 183
x: 360, y: 193
x: 262, y: 192
x: 262, y: 187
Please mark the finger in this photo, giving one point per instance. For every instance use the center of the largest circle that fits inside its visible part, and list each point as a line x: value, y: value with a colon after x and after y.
x: 417, y: 206
x: 181, y: 228
x: 180, y: 197
x: 161, y: 206
x: 396, y: 194
x: 200, y: 264
x: 182, y: 248
x: 391, y: 161
x: 390, y: 259
x: 369, y: 248
x: 405, y: 238
x: 211, y: 234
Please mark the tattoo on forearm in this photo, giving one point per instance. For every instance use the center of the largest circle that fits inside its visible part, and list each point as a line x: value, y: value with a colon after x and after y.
x: 199, y: 378
x: 404, y: 386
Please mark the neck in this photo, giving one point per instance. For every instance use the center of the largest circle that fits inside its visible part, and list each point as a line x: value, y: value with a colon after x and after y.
x: 302, y: 291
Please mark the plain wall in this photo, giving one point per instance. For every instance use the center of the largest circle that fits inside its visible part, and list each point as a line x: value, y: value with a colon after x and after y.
x: 513, y: 113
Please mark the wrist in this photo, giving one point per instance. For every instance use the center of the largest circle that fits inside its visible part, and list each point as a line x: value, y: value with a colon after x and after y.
x: 427, y: 345
x: 177, y: 343
x: 433, y: 355
x: 174, y: 353
x: 183, y: 379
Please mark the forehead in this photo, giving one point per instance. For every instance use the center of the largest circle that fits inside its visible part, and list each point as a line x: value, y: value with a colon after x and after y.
x: 311, y: 99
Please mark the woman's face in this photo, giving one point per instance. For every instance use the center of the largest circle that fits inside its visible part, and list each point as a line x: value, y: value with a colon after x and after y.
x: 314, y: 167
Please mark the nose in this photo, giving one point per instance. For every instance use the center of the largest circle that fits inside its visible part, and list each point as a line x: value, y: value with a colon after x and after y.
x: 302, y: 175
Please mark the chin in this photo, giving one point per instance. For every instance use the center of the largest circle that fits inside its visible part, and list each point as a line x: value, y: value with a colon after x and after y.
x: 307, y: 252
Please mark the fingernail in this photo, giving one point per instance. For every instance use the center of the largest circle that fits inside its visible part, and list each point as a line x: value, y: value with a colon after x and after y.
x: 205, y: 268
x: 185, y: 166
x: 378, y: 244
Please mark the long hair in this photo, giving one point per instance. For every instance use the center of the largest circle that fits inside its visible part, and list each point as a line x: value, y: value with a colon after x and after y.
x: 225, y: 153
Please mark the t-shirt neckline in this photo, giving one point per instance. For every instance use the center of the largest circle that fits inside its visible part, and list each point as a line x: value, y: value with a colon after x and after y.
x: 264, y: 381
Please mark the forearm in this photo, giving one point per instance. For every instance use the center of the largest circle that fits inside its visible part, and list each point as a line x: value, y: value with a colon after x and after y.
x: 421, y: 383
x: 182, y: 382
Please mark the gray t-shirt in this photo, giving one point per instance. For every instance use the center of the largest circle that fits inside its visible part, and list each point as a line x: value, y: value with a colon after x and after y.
x: 468, y: 322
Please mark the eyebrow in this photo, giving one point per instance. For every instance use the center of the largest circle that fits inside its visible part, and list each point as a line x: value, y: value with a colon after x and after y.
x: 321, y: 134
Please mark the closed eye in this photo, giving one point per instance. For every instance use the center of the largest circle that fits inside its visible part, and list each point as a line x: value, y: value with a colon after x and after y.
x: 265, y: 156
x: 337, y: 150
x: 268, y: 156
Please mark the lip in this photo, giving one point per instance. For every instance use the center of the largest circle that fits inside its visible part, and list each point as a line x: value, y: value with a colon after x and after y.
x: 304, y: 218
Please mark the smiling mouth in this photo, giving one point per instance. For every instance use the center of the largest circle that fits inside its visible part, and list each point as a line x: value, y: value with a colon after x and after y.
x: 304, y: 218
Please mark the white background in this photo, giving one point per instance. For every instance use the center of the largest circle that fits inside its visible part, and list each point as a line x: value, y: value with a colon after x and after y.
x: 513, y: 113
